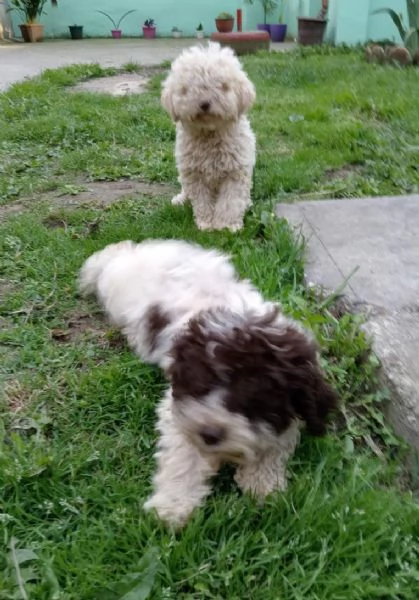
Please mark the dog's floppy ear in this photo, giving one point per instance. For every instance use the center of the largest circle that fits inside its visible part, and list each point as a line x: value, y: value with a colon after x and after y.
x: 246, y: 94
x: 310, y: 396
x: 166, y: 99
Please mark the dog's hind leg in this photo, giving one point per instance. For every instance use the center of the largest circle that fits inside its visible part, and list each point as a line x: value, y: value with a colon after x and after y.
x: 183, y: 476
x: 269, y: 473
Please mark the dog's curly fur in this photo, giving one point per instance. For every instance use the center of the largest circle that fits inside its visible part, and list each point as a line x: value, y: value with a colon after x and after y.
x: 243, y: 376
x: 207, y: 94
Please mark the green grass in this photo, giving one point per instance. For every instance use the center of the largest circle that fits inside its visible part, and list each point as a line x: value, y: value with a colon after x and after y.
x: 78, y: 409
x: 314, y: 115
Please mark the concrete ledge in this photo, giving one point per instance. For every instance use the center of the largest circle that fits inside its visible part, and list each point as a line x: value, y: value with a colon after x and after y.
x: 243, y: 42
x: 376, y: 241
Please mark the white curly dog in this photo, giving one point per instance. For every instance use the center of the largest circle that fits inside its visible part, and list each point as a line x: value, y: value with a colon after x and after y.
x: 243, y: 376
x: 207, y: 94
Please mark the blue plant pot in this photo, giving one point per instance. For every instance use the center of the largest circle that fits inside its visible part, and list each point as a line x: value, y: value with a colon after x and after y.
x: 264, y: 27
x: 278, y: 32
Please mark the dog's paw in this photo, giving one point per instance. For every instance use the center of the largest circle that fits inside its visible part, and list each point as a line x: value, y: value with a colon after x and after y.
x: 172, y: 512
x: 233, y: 227
x: 204, y: 225
x: 259, y: 483
x: 179, y: 199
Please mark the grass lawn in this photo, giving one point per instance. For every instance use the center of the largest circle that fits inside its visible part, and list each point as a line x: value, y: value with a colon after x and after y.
x: 77, y: 408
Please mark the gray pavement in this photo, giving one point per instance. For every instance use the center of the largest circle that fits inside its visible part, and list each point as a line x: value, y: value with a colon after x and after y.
x: 374, y: 242
x: 19, y: 60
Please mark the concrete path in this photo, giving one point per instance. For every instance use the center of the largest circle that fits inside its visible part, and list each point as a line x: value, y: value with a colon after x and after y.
x: 19, y: 60
x: 376, y: 242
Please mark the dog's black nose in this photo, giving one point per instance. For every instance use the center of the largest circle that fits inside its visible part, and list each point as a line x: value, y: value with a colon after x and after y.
x: 204, y: 106
x: 211, y: 434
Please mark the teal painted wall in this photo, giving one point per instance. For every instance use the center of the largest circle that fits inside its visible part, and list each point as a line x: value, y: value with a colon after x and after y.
x: 185, y: 14
x: 381, y: 26
x: 349, y: 21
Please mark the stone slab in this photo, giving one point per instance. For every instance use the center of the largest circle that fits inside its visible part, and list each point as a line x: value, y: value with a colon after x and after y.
x: 374, y: 242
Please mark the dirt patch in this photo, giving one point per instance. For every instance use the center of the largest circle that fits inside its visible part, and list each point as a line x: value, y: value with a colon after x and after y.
x: 98, y: 194
x: 342, y: 172
x: 80, y: 325
x: 54, y: 222
x: 105, y: 193
x: 124, y: 84
x: 17, y: 397
x: 10, y: 210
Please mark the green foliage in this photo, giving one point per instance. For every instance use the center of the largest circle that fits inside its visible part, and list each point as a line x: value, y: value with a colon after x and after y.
x: 269, y: 6
x: 30, y: 9
x: 116, y: 24
x: 224, y: 16
x: 409, y: 33
x: 77, y: 410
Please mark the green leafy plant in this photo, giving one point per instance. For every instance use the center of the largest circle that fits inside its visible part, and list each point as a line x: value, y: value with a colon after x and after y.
x: 149, y: 23
x: 282, y: 11
x: 410, y: 33
x: 30, y: 9
x: 116, y: 24
x: 268, y: 7
x: 200, y: 27
x: 224, y: 16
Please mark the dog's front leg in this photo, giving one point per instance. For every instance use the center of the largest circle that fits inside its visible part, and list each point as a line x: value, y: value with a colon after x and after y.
x: 269, y: 473
x: 232, y: 202
x: 201, y: 199
x: 183, y: 476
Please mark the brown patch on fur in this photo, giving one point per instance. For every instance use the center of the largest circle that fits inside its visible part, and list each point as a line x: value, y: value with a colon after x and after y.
x: 156, y: 320
x: 270, y: 373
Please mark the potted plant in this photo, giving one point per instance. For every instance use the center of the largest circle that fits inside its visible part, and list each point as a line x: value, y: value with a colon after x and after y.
x: 176, y: 32
x: 31, y: 11
x: 409, y: 34
x: 311, y: 31
x: 224, y: 22
x: 76, y: 32
x: 149, y: 29
x: 278, y: 30
x: 268, y: 8
x: 199, y: 32
x: 116, y: 32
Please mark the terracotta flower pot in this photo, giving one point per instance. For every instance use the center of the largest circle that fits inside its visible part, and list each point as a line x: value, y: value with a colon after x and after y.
x: 32, y: 32
x: 224, y: 25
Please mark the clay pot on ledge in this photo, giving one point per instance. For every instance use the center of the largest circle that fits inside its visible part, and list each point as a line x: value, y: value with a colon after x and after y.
x: 32, y: 32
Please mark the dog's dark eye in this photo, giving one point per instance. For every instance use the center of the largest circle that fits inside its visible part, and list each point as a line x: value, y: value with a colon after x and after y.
x: 184, y: 90
x: 225, y: 87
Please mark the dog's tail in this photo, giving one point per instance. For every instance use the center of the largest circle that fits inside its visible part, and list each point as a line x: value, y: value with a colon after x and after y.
x: 94, y: 266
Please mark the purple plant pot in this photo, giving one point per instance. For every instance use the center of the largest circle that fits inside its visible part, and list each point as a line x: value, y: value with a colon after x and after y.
x: 278, y: 32
x: 264, y: 27
x: 116, y: 33
x: 149, y: 32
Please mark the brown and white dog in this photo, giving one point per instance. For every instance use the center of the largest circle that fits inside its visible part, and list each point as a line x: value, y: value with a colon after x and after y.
x: 243, y: 377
